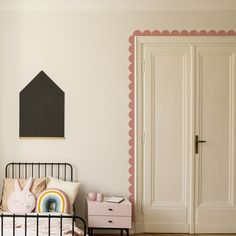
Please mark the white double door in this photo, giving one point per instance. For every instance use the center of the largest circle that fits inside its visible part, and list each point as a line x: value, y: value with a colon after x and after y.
x: 188, y: 120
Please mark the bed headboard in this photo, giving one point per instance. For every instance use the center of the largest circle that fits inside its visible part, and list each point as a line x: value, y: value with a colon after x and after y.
x: 25, y: 170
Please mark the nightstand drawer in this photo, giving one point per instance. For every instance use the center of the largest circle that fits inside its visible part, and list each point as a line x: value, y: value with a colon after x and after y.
x: 109, y: 222
x: 109, y: 209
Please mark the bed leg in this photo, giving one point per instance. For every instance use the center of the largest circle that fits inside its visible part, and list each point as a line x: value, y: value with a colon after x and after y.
x: 73, y: 226
x: 2, y: 224
x: 25, y: 225
x: 37, y: 225
x: 85, y: 228
x: 14, y: 225
x: 61, y: 225
x: 49, y: 225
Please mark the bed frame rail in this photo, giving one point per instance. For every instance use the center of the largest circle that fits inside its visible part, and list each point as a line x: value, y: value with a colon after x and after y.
x: 39, y: 169
x: 38, y: 217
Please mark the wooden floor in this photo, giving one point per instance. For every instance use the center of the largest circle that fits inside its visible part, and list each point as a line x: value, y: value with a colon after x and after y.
x: 148, y: 234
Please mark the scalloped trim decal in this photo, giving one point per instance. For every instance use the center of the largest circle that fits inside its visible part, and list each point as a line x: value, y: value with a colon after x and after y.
x: 132, y: 86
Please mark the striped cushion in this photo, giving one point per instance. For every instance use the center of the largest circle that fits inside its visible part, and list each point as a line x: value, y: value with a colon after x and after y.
x: 52, y: 200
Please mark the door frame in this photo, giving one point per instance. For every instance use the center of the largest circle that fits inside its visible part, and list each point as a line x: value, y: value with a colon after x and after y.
x: 136, y: 132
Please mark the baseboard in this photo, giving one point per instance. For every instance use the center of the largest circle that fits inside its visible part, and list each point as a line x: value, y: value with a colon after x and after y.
x: 166, y: 228
x: 213, y: 228
x: 138, y: 228
x: 110, y: 232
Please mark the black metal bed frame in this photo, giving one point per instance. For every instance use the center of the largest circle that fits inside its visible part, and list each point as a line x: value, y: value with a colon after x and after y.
x: 36, y: 170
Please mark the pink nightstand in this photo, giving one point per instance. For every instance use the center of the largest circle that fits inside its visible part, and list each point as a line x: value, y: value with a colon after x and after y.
x: 108, y: 215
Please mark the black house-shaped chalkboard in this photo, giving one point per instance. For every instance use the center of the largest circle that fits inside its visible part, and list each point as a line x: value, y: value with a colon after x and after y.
x: 42, y: 108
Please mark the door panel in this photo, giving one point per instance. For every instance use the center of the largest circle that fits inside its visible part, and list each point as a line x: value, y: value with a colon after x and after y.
x: 188, y: 89
x: 165, y: 200
x: 215, y: 123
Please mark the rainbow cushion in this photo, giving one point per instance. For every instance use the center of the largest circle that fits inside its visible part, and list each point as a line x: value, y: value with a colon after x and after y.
x: 52, y: 200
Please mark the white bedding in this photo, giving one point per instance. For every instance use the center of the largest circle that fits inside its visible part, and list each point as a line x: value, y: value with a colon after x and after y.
x: 43, y: 226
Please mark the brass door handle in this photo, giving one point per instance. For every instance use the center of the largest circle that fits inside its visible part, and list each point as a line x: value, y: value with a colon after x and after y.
x: 197, y: 141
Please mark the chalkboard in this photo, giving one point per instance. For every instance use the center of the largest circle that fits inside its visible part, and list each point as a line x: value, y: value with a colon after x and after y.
x: 42, y: 105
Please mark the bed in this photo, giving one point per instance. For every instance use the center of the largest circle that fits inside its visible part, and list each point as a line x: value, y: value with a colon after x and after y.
x: 43, y: 223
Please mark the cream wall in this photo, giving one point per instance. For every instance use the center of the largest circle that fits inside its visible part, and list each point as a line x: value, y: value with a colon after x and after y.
x: 86, y: 53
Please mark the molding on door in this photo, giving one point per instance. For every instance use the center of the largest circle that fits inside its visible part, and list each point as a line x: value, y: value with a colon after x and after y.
x: 180, y: 33
x: 133, y: 104
x: 229, y: 202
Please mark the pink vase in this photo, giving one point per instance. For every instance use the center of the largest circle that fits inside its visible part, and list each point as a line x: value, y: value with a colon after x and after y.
x: 92, y: 196
x: 99, y: 197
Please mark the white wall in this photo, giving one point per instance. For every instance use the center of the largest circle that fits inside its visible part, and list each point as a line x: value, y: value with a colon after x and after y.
x: 86, y: 53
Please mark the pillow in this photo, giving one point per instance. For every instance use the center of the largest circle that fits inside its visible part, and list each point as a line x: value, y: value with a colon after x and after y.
x: 22, y: 201
x: 9, y: 186
x: 52, y: 200
x: 70, y: 188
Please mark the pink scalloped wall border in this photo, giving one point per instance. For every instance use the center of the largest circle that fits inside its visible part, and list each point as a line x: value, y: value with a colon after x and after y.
x: 132, y: 86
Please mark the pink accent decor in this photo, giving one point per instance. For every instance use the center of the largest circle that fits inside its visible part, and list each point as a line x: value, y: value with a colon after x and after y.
x: 108, y: 222
x: 99, y: 197
x: 22, y: 201
x: 109, y: 215
x: 173, y: 33
x: 92, y: 196
x: 96, y: 208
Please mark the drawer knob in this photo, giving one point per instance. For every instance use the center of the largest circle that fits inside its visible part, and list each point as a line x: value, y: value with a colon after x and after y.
x: 110, y: 209
x: 110, y: 221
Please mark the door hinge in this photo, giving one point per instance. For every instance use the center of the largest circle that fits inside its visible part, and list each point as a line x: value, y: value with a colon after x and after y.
x: 143, y: 66
x: 144, y: 137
